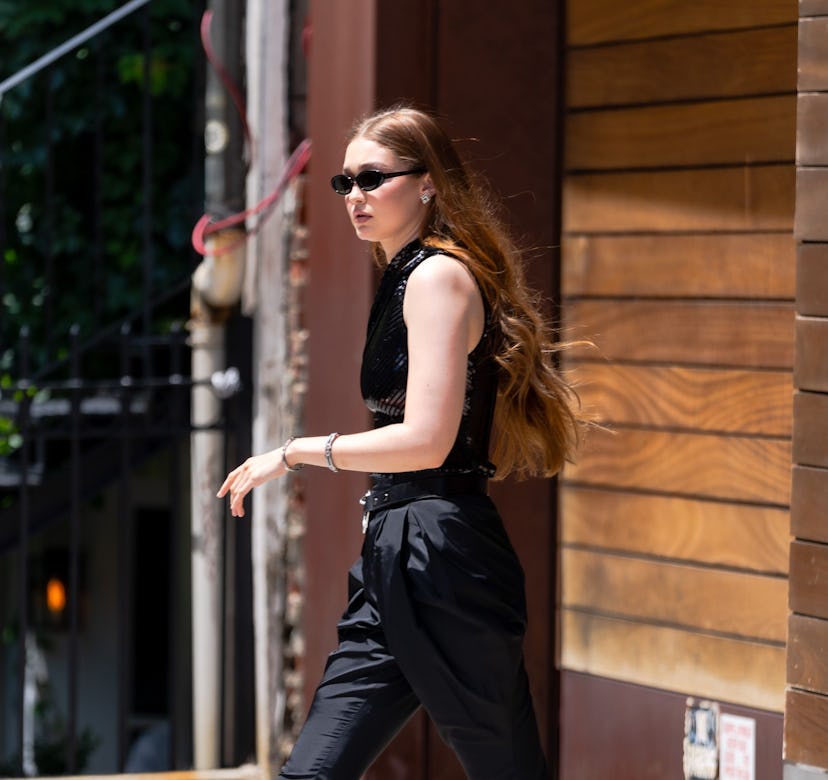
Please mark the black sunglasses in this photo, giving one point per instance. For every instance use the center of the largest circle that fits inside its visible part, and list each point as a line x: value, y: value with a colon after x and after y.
x: 366, y: 180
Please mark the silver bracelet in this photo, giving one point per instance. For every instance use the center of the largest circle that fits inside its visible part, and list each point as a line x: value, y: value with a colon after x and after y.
x: 298, y: 466
x: 328, y: 454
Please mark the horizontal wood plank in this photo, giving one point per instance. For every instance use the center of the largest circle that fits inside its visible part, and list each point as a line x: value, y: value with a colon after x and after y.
x: 734, y: 670
x: 807, y: 659
x: 731, y: 64
x: 697, y: 465
x: 812, y: 279
x: 810, y: 429
x: 806, y: 728
x: 693, y: 332
x: 813, y: 8
x: 813, y: 55
x: 743, y: 199
x: 721, y: 132
x: 812, y: 129
x: 693, y: 530
x: 808, y: 577
x: 809, y: 497
x: 811, y: 369
x: 739, y: 265
x: 752, y: 606
x: 811, y: 222
x: 601, y: 21
x: 716, y: 400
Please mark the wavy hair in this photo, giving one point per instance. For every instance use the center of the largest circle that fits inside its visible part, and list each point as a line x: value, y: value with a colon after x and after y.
x: 537, y: 417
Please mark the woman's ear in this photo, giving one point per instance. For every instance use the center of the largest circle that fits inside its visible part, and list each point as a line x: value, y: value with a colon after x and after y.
x: 427, y: 187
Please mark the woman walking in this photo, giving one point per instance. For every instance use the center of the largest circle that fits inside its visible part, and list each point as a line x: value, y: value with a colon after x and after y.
x: 457, y: 369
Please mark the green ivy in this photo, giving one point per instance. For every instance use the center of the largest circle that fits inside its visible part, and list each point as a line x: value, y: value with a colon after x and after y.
x: 79, y: 258
x: 10, y: 439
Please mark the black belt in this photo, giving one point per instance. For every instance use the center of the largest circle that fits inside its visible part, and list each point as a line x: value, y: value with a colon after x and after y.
x: 382, y: 496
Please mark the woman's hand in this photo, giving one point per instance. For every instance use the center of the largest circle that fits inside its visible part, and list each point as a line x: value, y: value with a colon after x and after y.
x: 252, y: 473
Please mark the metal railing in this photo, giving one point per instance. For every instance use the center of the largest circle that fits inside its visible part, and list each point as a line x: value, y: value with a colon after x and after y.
x: 95, y: 416
x: 86, y: 441
x: 73, y: 43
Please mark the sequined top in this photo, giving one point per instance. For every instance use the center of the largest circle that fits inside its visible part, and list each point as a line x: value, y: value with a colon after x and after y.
x: 385, y: 370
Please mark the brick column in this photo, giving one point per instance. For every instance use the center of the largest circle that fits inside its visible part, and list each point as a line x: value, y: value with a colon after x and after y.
x: 806, y: 706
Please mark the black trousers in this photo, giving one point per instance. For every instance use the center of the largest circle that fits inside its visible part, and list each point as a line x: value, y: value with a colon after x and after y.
x: 436, y: 618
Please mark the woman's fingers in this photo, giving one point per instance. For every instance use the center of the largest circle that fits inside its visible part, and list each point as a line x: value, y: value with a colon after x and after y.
x: 244, y: 478
x: 237, y: 504
x: 229, y: 482
x: 222, y: 492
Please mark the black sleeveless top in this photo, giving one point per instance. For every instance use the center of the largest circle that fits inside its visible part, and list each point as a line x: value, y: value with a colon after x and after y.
x: 385, y: 372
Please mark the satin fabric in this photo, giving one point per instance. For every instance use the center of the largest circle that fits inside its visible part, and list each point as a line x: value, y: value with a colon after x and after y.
x: 436, y: 617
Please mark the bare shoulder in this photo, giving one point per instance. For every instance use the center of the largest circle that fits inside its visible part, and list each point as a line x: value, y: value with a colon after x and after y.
x: 443, y: 274
x: 442, y: 294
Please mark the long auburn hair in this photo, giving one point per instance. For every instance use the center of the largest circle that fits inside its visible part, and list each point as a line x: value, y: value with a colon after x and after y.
x: 537, y: 417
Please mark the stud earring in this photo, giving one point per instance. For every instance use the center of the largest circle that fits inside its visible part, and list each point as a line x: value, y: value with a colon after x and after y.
x: 425, y: 198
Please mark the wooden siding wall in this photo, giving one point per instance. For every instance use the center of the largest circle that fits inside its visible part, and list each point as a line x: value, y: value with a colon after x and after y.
x: 679, y: 263
x: 806, y: 708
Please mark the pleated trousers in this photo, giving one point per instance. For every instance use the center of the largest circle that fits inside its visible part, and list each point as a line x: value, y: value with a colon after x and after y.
x: 436, y: 618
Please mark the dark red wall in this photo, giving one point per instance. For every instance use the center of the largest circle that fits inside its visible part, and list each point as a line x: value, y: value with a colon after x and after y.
x: 620, y: 731
x: 340, y: 88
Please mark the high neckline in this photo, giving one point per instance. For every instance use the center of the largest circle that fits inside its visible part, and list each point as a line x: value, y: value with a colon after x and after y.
x: 405, y: 253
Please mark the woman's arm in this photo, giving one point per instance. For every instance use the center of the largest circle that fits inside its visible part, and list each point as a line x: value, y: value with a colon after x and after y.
x: 443, y: 312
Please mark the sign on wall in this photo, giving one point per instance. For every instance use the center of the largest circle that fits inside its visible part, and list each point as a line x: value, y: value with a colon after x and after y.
x: 718, y: 746
x: 737, y: 748
x: 701, y: 742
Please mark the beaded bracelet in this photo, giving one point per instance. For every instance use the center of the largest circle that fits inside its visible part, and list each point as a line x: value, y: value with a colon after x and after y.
x: 298, y: 466
x: 328, y: 454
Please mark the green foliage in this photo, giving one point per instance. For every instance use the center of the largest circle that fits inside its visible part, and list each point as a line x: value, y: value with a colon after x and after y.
x: 10, y: 437
x: 50, y: 749
x: 10, y: 440
x: 72, y: 167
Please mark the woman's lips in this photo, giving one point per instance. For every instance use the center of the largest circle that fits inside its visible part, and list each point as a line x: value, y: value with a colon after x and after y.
x: 360, y: 218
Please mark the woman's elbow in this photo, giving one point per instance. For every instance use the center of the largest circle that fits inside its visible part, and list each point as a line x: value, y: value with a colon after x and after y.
x: 432, y: 452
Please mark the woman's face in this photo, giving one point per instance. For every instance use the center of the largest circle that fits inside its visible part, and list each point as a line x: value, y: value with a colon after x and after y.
x: 391, y: 214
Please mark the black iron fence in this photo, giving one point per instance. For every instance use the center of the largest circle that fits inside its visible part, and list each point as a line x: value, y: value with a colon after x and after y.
x: 100, y: 182
x: 100, y: 470
x: 101, y: 167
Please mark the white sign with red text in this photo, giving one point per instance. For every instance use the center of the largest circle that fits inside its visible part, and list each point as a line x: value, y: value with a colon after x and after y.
x: 737, y: 748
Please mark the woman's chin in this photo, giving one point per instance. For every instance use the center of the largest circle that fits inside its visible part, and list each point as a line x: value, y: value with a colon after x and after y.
x: 364, y: 232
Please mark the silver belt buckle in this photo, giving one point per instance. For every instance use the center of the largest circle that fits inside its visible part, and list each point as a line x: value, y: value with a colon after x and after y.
x: 366, y: 513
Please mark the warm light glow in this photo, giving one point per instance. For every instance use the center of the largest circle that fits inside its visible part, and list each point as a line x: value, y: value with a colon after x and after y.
x: 55, y: 595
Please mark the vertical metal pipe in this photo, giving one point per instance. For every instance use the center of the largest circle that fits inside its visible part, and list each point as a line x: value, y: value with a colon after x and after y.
x: 23, y: 547
x: 147, y: 171
x: 3, y: 237
x: 97, y: 174
x: 49, y: 221
x: 74, y: 550
x: 224, y: 193
x: 207, y: 341
x: 228, y: 623
x: 178, y: 422
x: 124, y: 632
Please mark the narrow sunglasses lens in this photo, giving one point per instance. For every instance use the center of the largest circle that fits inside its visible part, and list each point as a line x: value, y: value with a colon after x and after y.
x: 342, y: 184
x: 369, y: 180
